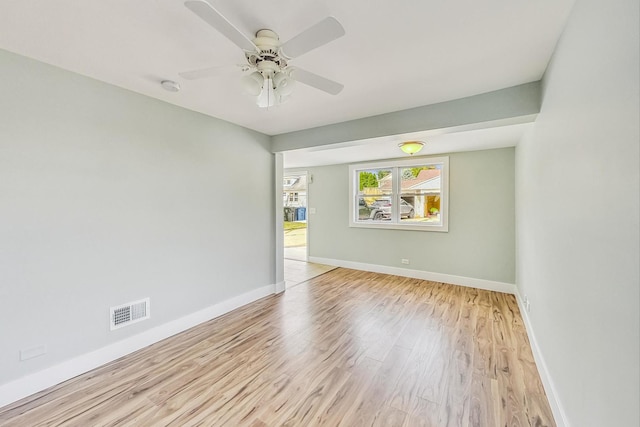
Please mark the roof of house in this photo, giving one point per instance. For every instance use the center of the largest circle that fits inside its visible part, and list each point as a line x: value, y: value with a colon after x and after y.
x: 299, y: 183
x: 426, y: 179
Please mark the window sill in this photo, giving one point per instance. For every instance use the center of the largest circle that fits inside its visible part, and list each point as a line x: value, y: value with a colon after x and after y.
x: 407, y: 227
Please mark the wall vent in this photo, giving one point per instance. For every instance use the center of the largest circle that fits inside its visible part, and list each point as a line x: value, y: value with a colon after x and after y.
x: 127, y: 314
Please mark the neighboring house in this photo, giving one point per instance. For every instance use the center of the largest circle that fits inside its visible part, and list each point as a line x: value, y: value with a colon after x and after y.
x: 422, y: 192
x: 294, y: 191
x: 426, y: 184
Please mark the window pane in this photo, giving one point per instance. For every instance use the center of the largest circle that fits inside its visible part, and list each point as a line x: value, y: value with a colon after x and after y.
x: 420, y: 188
x: 374, y: 190
x: 406, y: 194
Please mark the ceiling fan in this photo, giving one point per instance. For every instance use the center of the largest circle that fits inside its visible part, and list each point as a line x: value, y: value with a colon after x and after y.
x: 271, y: 79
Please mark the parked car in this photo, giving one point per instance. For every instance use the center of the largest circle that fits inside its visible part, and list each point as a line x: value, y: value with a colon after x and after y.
x: 406, y: 209
x: 366, y: 211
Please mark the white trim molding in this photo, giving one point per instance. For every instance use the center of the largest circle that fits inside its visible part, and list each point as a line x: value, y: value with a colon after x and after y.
x: 22, y: 387
x: 549, y: 387
x: 489, y: 285
x: 394, y: 221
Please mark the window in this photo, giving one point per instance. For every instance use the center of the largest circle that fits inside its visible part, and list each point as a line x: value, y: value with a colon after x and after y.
x: 404, y: 194
x: 293, y: 197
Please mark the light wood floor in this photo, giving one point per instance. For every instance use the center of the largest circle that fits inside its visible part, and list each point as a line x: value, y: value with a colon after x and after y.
x: 346, y: 348
x: 296, y: 271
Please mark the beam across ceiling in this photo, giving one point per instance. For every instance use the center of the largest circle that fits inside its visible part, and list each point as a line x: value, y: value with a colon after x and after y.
x: 513, y: 105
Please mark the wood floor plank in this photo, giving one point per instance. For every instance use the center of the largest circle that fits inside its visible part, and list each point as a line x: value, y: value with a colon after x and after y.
x: 456, y: 402
x: 419, y: 321
x: 380, y: 389
x: 388, y: 416
x: 425, y: 414
x: 424, y: 374
x: 343, y: 404
x: 348, y: 348
x: 484, y: 398
x: 484, y: 358
x: 315, y: 396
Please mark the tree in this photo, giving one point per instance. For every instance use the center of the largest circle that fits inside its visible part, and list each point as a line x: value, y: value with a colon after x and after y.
x: 408, y: 174
x: 383, y: 173
x: 416, y: 171
x: 368, y: 180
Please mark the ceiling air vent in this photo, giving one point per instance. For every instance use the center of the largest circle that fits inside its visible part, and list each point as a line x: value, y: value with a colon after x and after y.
x: 129, y: 313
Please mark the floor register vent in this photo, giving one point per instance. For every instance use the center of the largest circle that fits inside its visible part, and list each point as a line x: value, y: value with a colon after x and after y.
x: 127, y: 314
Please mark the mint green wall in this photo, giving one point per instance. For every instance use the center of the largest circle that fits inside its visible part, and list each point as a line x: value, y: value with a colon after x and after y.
x: 517, y: 104
x: 480, y: 243
x: 579, y: 264
x: 107, y: 196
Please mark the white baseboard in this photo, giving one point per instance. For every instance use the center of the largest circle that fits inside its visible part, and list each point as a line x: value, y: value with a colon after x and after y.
x: 489, y: 285
x: 22, y: 387
x: 280, y: 287
x: 549, y: 388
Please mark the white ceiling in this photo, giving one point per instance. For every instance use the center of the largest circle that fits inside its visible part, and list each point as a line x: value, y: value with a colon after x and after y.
x: 394, y: 56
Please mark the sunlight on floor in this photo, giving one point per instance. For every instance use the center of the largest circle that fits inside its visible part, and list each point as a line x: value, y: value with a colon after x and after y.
x: 296, y: 272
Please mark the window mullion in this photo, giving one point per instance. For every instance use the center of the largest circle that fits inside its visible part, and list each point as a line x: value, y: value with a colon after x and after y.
x: 395, y: 198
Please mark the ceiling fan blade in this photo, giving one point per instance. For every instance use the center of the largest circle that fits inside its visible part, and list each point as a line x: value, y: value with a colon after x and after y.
x: 322, y: 33
x: 206, y: 72
x: 316, y: 81
x: 212, y: 17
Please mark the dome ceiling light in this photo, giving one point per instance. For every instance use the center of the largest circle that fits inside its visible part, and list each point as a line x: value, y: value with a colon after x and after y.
x: 411, y: 147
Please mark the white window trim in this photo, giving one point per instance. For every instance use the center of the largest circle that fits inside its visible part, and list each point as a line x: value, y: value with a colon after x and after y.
x: 395, y: 224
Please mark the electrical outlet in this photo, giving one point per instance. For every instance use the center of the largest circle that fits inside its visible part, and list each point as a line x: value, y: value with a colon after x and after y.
x: 527, y: 304
x: 404, y: 261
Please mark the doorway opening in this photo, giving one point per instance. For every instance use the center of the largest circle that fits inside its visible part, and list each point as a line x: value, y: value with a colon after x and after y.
x: 294, y: 201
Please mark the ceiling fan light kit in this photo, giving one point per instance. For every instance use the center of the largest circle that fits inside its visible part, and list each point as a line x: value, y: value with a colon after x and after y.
x: 253, y: 83
x: 271, y: 80
x: 268, y: 96
x: 283, y: 84
x: 411, y: 147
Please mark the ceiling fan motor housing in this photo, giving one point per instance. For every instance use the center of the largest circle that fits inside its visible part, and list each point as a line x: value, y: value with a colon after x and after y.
x: 266, y: 39
x: 268, y: 68
x: 268, y: 58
